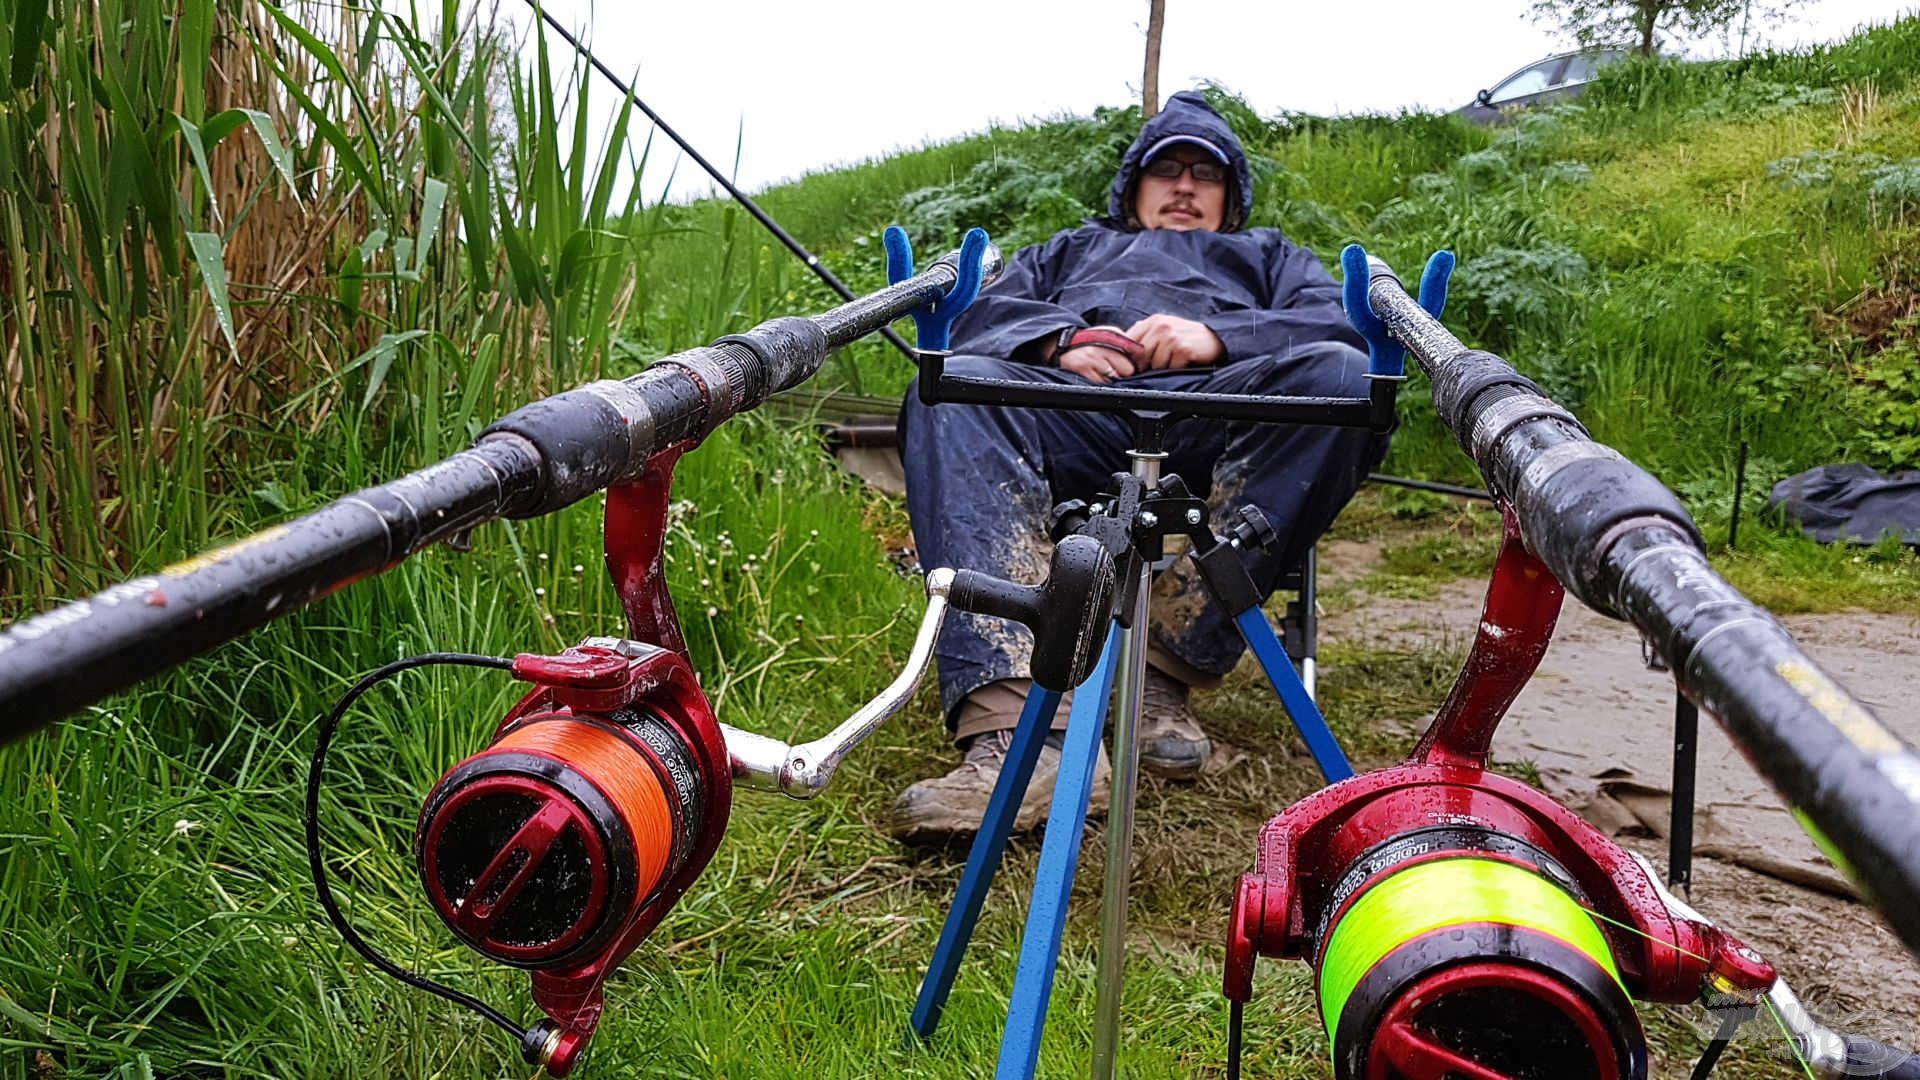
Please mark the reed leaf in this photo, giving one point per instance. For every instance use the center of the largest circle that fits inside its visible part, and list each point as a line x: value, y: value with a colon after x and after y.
x: 210, y: 253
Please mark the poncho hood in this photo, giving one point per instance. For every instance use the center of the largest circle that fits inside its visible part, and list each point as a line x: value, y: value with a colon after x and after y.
x: 1186, y: 114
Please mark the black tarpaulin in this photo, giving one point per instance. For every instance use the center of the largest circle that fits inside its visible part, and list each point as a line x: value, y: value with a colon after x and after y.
x: 1854, y: 503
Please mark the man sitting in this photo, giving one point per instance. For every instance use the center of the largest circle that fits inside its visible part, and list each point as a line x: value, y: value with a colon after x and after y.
x: 1171, y: 292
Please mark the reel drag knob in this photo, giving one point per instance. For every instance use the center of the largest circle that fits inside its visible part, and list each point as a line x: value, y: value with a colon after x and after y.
x: 1251, y: 531
x: 537, y: 850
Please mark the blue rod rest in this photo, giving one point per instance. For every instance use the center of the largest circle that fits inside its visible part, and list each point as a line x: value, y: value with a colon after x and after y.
x: 1312, y: 726
x: 983, y: 861
x: 933, y: 320
x: 1386, y: 356
x: 1053, y: 880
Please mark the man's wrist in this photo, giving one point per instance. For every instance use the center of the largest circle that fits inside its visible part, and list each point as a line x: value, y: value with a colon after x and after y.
x: 1060, y: 343
x: 1226, y: 353
x: 1044, y: 349
x: 1104, y: 337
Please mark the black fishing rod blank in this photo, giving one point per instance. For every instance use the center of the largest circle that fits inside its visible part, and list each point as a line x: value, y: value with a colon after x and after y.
x: 1624, y: 544
x: 544, y: 456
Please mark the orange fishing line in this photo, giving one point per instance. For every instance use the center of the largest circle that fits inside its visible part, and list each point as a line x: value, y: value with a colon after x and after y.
x: 622, y: 774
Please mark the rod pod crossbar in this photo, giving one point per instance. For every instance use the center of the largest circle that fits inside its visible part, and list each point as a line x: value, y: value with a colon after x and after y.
x: 538, y: 459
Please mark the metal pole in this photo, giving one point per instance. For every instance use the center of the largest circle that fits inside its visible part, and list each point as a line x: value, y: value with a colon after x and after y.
x: 1686, y: 752
x: 1739, y: 496
x: 1126, y: 776
x: 1430, y: 485
x: 799, y: 251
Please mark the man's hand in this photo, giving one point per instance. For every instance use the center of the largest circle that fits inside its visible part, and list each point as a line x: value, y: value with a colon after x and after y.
x: 1169, y: 341
x: 1099, y: 362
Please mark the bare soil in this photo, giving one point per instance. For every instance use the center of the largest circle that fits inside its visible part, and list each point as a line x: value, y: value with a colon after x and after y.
x: 1597, y: 725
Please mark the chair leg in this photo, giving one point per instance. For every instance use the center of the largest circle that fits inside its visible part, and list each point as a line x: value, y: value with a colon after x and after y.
x: 1293, y: 694
x: 1310, y: 623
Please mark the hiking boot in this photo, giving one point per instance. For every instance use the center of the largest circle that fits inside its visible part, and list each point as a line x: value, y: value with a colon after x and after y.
x: 1171, y: 742
x: 952, y: 805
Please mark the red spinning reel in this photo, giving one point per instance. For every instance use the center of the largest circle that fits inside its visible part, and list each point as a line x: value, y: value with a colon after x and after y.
x: 1462, y: 924
x: 560, y: 846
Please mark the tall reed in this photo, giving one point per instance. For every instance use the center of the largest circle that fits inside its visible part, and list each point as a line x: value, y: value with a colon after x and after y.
x: 229, y: 227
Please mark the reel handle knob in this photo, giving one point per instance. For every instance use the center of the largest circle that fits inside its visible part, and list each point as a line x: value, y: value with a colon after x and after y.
x: 1068, y: 612
x: 553, y: 1047
x: 1870, y: 1059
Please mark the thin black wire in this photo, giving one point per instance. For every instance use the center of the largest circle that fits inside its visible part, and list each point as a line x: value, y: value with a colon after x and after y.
x: 318, y: 866
x: 800, y: 252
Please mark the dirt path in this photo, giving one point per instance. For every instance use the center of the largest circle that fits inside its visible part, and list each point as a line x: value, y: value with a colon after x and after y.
x: 1598, y: 726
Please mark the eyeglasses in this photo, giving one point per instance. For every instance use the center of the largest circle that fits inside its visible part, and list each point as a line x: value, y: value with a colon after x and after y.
x: 1204, y: 172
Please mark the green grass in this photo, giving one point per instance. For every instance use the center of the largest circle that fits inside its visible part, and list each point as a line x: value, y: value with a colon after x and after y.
x: 1635, y: 254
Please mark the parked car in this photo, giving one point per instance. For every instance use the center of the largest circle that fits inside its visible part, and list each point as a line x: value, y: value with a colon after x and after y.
x: 1556, y: 78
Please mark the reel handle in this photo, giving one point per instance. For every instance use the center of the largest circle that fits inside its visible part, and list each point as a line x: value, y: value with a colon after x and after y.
x: 1068, y: 612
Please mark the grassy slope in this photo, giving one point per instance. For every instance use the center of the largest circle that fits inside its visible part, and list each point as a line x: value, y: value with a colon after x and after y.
x: 154, y: 899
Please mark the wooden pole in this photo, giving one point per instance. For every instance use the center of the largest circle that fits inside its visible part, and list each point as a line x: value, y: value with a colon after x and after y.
x: 1150, y: 81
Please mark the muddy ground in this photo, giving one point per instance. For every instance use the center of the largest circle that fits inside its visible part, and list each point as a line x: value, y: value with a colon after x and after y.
x: 1598, y: 727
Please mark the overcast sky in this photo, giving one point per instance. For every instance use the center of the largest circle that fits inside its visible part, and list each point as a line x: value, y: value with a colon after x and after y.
x: 799, y: 86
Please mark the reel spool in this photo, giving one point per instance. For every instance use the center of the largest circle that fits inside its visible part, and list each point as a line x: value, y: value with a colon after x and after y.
x: 1465, y: 952
x: 559, y: 847
x: 535, y: 850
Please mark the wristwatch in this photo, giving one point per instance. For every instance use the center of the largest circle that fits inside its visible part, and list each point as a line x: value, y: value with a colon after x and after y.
x: 1076, y: 337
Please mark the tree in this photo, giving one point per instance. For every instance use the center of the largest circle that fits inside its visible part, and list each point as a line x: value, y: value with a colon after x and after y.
x: 1619, y: 22
x: 1150, y: 82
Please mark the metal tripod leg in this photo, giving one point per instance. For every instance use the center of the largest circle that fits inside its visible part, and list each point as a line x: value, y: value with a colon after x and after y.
x: 1306, y: 717
x: 1310, y: 622
x: 1686, y: 751
x: 1053, y: 879
x: 1126, y: 776
x: 989, y: 844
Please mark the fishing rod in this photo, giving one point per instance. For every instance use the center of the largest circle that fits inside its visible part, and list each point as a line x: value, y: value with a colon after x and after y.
x: 746, y: 201
x: 1461, y: 923
x: 538, y: 459
x: 1623, y: 544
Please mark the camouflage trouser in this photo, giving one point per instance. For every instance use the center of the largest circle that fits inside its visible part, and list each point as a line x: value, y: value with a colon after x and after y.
x: 981, y: 479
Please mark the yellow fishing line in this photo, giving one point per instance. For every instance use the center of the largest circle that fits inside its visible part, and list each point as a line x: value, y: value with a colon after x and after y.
x: 1792, y: 1046
x: 1448, y: 892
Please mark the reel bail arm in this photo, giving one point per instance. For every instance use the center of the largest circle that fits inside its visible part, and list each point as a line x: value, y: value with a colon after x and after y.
x: 1066, y: 612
